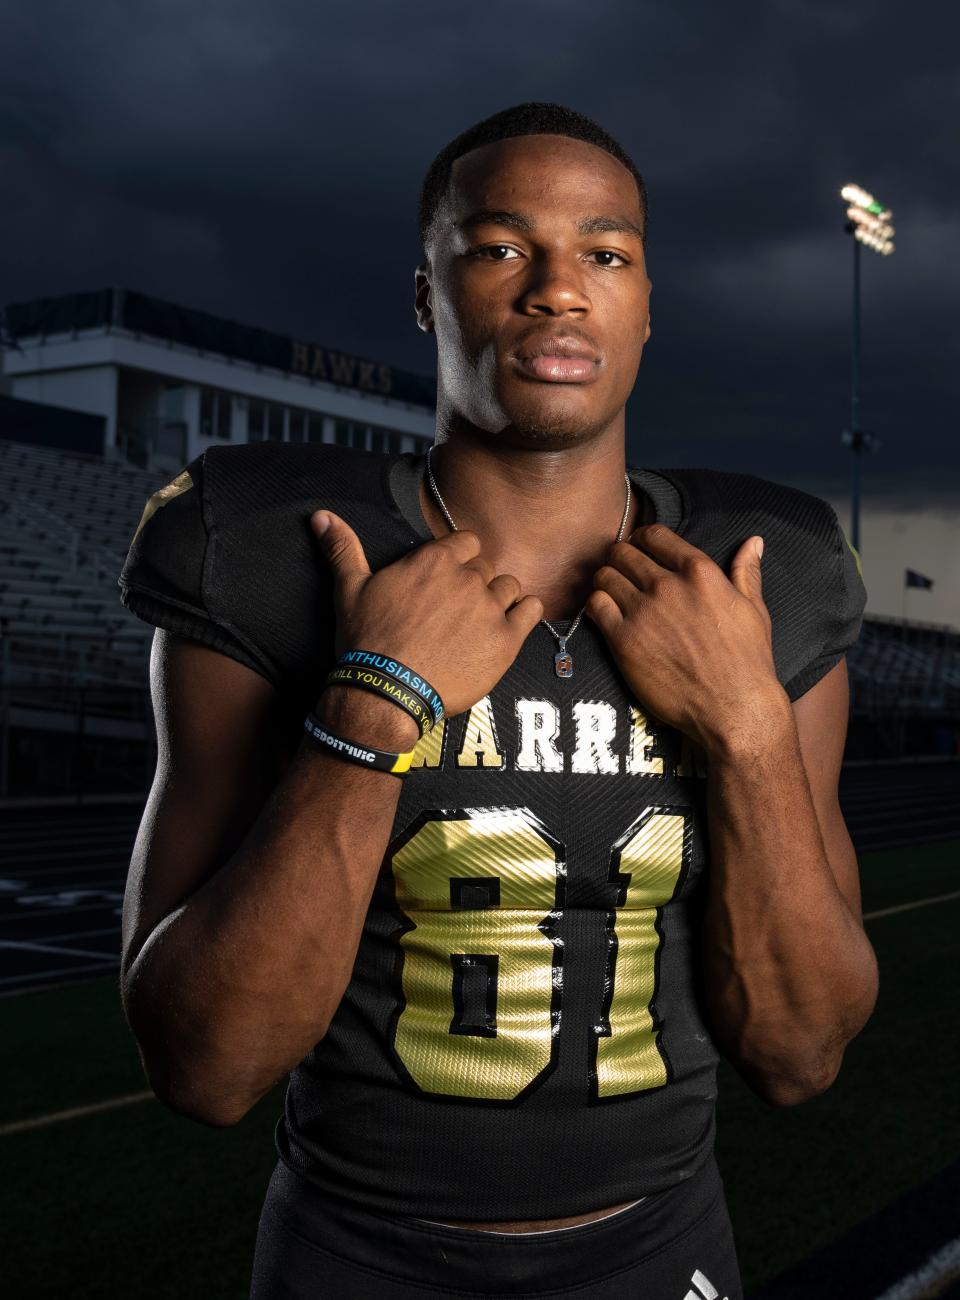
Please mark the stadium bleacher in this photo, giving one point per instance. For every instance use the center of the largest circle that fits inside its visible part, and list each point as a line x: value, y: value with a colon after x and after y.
x: 65, y: 524
x: 66, y: 520
x: 900, y: 665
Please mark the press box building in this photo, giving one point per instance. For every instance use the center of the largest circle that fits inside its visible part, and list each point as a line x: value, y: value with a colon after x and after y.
x: 169, y: 381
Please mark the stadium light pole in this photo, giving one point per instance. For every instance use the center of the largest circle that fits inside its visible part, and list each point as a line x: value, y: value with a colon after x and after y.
x: 869, y: 223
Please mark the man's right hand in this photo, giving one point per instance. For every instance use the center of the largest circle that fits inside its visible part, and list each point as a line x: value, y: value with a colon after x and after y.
x: 441, y: 610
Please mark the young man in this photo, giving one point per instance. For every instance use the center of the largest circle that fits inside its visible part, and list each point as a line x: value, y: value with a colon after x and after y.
x: 499, y: 987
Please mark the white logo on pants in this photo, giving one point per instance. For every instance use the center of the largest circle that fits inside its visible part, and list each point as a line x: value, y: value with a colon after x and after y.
x: 702, y: 1288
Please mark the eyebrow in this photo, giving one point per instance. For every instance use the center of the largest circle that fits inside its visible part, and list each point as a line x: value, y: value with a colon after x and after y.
x: 519, y: 221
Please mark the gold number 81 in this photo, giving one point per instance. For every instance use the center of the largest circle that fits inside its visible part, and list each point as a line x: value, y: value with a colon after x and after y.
x: 482, y: 892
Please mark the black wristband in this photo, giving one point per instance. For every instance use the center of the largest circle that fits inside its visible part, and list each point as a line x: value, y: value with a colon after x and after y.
x: 401, y: 673
x: 368, y: 679
x: 352, y: 752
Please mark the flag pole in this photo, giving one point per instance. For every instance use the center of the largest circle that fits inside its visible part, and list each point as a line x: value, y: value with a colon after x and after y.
x: 857, y: 442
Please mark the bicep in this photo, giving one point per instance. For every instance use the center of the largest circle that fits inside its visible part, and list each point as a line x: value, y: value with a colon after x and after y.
x: 220, y: 745
x: 821, y: 716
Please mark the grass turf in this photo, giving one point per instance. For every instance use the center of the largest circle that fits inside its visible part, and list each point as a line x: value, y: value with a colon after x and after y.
x: 143, y: 1203
x: 799, y: 1177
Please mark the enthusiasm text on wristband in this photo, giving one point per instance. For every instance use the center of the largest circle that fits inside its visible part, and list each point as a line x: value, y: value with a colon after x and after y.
x: 399, y: 672
x: 369, y: 680
x: 340, y: 747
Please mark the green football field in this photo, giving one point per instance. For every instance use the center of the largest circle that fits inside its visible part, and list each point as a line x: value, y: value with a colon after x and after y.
x: 130, y: 1200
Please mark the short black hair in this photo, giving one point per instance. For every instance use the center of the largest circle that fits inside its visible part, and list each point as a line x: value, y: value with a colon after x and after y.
x: 531, y: 118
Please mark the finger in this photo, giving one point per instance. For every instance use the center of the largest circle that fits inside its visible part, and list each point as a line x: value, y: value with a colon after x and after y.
x: 341, y: 546
x: 463, y: 544
x: 603, y: 610
x: 505, y: 588
x: 524, y: 616
x: 637, y: 567
x: 745, y: 570
x: 667, y: 547
x: 618, y: 587
x: 486, y: 568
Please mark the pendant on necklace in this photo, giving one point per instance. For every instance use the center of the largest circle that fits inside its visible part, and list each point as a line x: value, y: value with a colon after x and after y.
x: 563, y: 660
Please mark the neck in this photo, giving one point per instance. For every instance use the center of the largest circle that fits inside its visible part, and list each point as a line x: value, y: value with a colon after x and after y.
x: 547, y: 517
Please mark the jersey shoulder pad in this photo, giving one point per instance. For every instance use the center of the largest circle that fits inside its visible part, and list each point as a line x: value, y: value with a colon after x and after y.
x: 163, y: 578
x: 249, y: 559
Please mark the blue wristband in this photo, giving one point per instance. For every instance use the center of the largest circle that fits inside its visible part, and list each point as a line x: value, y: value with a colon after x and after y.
x: 399, y: 672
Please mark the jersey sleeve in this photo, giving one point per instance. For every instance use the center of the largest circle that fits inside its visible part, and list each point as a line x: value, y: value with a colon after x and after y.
x: 839, y: 617
x: 163, y: 577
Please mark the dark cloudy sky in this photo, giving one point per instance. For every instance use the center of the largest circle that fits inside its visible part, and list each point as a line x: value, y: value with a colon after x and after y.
x: 263, y: 161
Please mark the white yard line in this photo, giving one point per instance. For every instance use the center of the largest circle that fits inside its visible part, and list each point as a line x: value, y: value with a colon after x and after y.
x: 22, y: 944
x: 77, y: 1112
x: 76, y: 934
x: 930, y: 1279
x: 31, y: 912
x: 908, y: 907
x: 38, y: 975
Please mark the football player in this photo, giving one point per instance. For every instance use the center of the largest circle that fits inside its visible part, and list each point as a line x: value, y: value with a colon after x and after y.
x: 497, y: 789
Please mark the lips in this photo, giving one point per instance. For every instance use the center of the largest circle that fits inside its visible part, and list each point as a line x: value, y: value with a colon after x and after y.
x: 557, y: 358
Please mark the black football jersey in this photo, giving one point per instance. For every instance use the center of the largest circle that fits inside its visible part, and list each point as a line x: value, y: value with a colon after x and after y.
x: 522, y: 1036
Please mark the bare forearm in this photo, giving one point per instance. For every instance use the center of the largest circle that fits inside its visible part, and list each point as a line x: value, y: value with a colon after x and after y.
x: 790, y: 976
x: 234, y: 987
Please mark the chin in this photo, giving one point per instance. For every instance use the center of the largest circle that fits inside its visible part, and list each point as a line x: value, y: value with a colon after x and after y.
x: 550, y: 424
x: 540, y: 438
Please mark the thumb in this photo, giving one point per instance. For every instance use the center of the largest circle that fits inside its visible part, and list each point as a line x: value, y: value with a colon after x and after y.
x: 341, y: 546
x: 745, y: 569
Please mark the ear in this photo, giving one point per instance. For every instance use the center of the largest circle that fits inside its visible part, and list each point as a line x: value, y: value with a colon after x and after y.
x: 422, y: 304
x: 649, y: 291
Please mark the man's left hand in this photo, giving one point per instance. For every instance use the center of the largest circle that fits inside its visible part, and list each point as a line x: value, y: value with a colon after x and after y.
x: 694, y: 646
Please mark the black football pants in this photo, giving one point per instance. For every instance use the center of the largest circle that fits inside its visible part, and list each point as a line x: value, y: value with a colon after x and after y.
x: 675, y: 1245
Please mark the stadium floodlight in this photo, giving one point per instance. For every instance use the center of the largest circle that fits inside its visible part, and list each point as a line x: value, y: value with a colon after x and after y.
x: 870, y: 223
x: 872, y: 229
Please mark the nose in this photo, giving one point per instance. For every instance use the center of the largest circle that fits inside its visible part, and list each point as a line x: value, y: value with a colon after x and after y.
x: 553, y: 287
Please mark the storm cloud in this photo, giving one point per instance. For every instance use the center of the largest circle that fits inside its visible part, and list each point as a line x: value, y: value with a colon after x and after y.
x: 263, y: 162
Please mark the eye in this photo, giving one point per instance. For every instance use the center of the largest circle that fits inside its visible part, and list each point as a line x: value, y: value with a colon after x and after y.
x: 489, y: 247
x: 609, y: 252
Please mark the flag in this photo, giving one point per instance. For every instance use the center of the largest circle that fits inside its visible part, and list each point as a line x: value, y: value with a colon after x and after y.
x: 917, y: 580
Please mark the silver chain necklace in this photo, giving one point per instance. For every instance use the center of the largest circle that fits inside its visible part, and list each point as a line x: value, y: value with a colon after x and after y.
x: 562, y: 660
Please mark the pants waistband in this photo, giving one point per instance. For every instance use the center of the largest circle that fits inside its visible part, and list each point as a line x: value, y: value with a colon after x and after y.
x: 425, y: 1252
